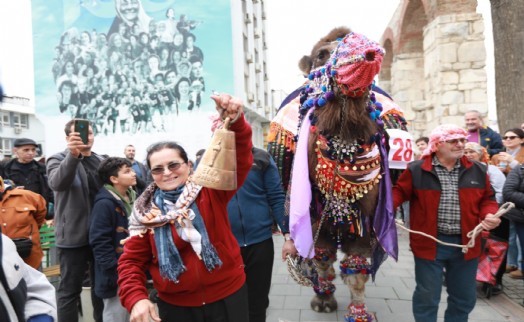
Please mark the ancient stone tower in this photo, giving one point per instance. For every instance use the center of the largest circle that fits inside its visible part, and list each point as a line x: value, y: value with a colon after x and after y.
x: 434, y: 63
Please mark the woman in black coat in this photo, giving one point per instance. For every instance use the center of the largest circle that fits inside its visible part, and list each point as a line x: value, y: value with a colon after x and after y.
x: 514, y: 192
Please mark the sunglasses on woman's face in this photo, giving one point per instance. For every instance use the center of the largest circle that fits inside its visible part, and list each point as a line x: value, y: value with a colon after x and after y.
x: 171, y: 166
x: 509, y: 137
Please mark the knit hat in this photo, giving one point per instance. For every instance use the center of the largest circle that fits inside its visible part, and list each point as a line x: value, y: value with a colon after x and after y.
x: 443, y: 133
x: 352, y: 66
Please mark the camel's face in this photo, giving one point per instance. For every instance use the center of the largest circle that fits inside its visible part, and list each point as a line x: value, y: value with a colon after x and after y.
x: 320, y: 56
x: 322, y: 50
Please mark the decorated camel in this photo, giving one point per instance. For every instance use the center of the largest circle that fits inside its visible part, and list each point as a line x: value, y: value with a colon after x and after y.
x: 330, y: 143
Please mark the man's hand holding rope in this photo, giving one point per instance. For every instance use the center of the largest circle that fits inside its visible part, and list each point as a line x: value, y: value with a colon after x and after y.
x: 490, y: 222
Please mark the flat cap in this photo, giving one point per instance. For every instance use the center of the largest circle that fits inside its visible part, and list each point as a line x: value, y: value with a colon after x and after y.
x: 24, y: 141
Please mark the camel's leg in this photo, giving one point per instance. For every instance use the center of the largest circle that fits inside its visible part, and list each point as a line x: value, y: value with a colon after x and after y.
x: 324, y: 299
x: 355, y: 271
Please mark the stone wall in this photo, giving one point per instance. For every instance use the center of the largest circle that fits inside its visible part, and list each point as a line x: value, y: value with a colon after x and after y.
x: 454, y: 74
x: 445, y: 75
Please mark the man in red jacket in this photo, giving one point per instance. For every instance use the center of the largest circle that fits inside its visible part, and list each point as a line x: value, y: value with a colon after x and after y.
x: 449, y: 195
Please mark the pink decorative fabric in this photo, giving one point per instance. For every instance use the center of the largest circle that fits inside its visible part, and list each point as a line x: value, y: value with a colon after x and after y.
x: 443, y: 133
x: 357, y: 61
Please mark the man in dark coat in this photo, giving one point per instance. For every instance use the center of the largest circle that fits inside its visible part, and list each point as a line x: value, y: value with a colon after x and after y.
x: 143, y: 175
x: 482, y: 134
x: 26, y: 172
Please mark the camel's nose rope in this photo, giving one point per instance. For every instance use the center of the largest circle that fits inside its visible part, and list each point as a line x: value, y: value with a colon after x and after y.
x: 472, y: 235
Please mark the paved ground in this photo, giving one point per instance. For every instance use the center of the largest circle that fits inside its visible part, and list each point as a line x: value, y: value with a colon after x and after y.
x: 389, y: 297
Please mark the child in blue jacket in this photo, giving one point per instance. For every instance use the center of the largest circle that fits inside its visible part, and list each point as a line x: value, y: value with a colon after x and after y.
x: 109, y: 225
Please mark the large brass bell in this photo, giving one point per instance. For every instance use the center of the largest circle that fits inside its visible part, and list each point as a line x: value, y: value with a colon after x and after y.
x: 218, y: 167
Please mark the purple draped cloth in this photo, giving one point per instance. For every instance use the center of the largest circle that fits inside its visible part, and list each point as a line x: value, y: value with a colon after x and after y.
x: 299, y: 221
x: 384, y: 221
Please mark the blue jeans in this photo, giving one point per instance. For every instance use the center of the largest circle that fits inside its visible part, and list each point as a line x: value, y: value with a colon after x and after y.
x: 460, y: 278
x: 519, y: 229
x: 514, y: 249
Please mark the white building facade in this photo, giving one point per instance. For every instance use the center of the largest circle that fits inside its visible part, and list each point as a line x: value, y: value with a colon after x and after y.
x: 251, y: 65
x: 18, y: 120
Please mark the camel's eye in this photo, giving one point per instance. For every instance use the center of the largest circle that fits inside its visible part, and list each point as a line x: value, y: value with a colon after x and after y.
x: 322, y: 55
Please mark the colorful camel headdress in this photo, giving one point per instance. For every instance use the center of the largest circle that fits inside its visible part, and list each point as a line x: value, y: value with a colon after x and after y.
x: 351, y: 68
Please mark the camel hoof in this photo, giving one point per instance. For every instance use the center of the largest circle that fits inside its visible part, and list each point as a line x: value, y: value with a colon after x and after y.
x: 324, y: 303
x: 358, y: 313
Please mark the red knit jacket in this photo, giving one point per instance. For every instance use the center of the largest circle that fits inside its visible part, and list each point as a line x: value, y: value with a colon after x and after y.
x: 419, y: 185
x: 196, y: 286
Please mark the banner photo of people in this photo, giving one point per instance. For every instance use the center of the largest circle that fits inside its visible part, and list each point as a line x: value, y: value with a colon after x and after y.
x: 139, y: 70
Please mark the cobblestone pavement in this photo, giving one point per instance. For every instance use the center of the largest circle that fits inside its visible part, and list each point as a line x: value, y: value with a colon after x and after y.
x: 389, y: 296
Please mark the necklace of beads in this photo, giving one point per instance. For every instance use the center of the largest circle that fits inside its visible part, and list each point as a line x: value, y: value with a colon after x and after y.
x: 347, y: 171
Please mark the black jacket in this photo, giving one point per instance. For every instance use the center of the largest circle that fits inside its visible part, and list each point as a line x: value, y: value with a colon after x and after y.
x: 513, y: 191
x: 144, y: 179
x: 491, y: 140
x: 34, y: 180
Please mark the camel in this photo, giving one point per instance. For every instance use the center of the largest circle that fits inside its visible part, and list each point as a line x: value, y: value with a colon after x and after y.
x: 334, y: 167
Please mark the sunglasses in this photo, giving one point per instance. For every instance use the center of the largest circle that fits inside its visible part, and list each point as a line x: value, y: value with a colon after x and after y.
x: 510, y: 137
x: 172, y: 166
x: 455, y: 141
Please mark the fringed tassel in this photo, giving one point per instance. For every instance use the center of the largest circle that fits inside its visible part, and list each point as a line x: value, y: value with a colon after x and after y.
x: 171, y: 272
x: 210, y: 257
x: 173, y: 268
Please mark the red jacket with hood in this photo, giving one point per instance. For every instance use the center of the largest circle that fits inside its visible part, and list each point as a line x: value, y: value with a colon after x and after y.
x: 419, y: 184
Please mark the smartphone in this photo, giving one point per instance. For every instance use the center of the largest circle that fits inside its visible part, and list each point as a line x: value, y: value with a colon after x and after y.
x: 82, y: 127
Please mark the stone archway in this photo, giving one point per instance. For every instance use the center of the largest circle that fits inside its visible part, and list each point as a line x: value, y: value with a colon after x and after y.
x: 385, y: 70
x: 436, y: 71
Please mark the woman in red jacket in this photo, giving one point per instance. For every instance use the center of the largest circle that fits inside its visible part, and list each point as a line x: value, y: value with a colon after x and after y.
x: 181, y: 233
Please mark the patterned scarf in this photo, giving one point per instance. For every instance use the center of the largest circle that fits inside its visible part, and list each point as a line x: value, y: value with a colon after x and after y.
x: 157, y: 209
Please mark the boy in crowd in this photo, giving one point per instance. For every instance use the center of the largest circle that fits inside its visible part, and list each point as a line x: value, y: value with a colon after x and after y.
x: 113, y: 204
x: 422, y: 144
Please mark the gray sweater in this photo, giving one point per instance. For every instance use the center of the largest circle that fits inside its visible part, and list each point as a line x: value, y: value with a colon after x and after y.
x: 69, y: 182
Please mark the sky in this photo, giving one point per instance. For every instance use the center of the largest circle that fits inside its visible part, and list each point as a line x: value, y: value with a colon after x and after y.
x: 290, y: 35
x: 289, y: 38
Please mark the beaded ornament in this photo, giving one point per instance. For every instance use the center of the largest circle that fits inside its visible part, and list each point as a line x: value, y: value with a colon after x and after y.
x: 358, y: 313
x: 355, y: 264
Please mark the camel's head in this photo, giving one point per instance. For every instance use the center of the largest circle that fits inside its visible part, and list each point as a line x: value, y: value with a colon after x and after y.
x: 350, y: 70
x: 344, y: 80
x: 322, y: 50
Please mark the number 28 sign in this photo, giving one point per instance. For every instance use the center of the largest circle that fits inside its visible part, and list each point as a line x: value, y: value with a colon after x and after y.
x: 401, y: 149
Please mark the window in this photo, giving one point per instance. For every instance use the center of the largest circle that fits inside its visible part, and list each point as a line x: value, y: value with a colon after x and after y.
x: 6, y: 146
x: 20, y: 120
x: 5, y: 119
